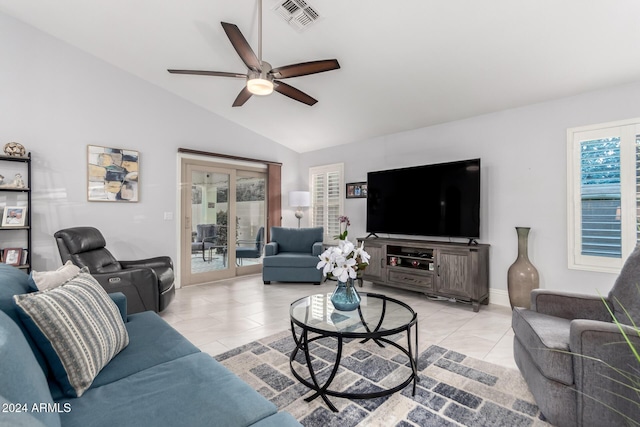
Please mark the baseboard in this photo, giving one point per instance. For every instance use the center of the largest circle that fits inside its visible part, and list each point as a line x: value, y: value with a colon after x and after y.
x: 499, y: 297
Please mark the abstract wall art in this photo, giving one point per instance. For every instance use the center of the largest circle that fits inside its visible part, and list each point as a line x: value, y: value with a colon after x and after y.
x: 113, y: 174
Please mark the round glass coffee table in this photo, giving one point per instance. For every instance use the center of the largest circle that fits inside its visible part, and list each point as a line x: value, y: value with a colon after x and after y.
x: 378, y: 318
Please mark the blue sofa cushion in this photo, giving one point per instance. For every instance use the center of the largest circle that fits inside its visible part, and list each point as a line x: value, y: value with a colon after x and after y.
x: 296, y: 239
x: 194, y: 390
x: 14, y: 281
x: 152, y: 341
x: 151, y: 336
x: 77, y: 326
x: 21, y: 378
x: 291, y: 260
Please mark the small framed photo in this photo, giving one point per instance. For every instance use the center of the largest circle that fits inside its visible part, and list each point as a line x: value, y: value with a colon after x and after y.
x: 14, y: 216
x: 356, y: 190
x: 13, y: 256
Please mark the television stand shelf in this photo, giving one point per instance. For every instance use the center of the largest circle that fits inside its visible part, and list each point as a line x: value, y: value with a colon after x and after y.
x: 437, y: 269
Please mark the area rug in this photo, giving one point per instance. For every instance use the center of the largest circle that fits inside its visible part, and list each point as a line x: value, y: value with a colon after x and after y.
x: 454, y: 389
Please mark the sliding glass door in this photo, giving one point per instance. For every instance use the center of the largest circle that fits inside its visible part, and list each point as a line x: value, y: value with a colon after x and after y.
x: 251, y: 211
x: 223, y: 221
x: 206, y: 209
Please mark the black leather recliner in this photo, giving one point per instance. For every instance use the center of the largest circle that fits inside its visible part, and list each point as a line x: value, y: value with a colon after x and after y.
x: 148, y: 283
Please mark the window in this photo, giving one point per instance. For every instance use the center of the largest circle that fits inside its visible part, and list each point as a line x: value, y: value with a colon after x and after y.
x: 603, y: 194
x: 327, y: 183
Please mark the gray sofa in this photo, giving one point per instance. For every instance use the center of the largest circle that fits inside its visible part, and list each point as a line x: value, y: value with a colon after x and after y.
x: 158, y: 379
x: 573, y: 356
x: 292, y: 255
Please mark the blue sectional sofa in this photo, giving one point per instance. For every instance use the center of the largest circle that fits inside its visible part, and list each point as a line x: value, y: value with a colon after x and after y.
x: 292, y: 255
x: 158, y: 379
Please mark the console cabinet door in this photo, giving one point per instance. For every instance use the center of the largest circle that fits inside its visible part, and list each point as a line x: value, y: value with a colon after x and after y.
x: 453, y: 273
x: 376, y: 268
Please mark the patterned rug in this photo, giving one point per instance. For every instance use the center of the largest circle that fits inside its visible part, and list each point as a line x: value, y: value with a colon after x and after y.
x: 453, y: 390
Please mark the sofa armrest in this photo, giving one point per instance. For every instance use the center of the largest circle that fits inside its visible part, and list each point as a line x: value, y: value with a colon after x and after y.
x: 569, y: 305
x: 156, y: 262
x: 593, y: 338
x: 317, y: 249
x: 605, y: 369
x: 271, y: 248
x: 121, y: 302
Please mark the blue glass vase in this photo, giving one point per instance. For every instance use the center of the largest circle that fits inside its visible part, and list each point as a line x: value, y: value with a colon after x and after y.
x: 345, y: 297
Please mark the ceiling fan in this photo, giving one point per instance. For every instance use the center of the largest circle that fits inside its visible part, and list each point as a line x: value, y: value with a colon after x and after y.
x: 261, y: 78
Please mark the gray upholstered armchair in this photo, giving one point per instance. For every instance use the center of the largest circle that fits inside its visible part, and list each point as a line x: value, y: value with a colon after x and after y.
x: 292, y: 255
x: 572, y: 355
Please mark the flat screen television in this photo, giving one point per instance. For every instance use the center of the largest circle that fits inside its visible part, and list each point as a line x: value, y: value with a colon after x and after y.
x: 432, y: 200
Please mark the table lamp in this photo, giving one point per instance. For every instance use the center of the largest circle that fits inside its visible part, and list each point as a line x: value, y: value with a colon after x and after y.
x: 299, y: 200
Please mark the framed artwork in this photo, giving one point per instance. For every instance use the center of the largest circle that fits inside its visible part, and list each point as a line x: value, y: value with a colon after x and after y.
x: 13, y: 256
x: 14, y: 216
x: 356, y: 190
x: 112, y: 174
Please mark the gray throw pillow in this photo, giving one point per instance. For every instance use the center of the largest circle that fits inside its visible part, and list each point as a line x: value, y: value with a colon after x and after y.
x: 77, y: 327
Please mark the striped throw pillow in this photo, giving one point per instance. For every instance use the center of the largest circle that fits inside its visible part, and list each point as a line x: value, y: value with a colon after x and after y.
x: 78, y: 328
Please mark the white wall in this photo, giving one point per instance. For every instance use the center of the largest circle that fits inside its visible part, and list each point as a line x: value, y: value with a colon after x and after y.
x: 523, y: 154
x: 56, y: 99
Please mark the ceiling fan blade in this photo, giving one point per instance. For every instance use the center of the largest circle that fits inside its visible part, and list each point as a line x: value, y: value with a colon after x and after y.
x: 294, y: 93
x: 241, y: 46
x: 305, y: 68
x: 242, y: 97
x: 209, y: 73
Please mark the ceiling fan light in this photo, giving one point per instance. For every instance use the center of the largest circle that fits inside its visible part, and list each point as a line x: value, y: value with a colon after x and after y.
x: 260, y: 86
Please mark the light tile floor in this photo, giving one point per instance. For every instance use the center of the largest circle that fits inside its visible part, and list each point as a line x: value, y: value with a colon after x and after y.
x: 223, y: 315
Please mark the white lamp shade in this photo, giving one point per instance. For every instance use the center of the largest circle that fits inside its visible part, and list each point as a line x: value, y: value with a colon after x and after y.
x: 299, y: 199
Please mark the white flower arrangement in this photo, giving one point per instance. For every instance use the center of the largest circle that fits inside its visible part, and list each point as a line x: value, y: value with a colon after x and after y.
x: 343, y: 261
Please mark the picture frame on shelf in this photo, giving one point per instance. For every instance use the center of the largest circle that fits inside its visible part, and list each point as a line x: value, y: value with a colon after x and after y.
x: 14, y: 216
x: 356, y: 190
x: 12, y: 256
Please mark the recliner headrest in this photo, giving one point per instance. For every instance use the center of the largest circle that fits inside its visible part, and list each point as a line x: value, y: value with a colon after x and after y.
x: 81, y: 239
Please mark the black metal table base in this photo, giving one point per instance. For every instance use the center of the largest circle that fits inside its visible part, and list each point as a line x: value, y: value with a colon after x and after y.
x: 323, y: 391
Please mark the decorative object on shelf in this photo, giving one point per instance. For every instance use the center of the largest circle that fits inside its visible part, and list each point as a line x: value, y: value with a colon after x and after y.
x: 113, y: 174
x: 356, y: 190
x: 14, y: 216
x: 343, y: 233
x: 14, y: 149
x: 345, y: 297
x: 19, y: 182
x: 12, y: 256
x: 344, y: 262
x: 299, y: 200
x: 522, y: 276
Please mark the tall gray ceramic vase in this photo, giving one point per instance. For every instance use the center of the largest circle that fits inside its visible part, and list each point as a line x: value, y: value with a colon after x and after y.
x: 522, y: 276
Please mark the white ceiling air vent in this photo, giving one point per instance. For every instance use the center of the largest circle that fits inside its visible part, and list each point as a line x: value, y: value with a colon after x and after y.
x: 298, y: 13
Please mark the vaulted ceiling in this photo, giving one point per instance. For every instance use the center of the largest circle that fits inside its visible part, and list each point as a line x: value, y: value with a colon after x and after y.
x: 405, y: 64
